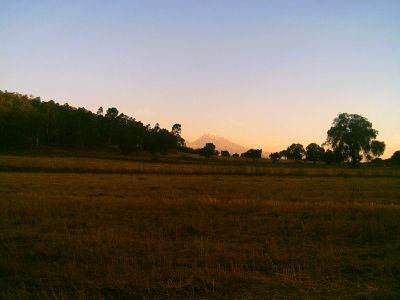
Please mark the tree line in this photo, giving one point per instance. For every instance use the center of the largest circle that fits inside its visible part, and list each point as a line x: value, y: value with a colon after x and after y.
x: 351, y: 138
x: 26, y: 122
x: 209, y: 150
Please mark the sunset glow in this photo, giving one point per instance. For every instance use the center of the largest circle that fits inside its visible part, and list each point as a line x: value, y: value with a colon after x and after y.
x: 263, y: 74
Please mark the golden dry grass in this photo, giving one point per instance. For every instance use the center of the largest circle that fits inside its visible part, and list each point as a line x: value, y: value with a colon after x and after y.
x: 152, y: 236
x: 184, y: 165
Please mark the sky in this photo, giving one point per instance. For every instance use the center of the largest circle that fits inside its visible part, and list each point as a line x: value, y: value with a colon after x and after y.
x: 264, y: 74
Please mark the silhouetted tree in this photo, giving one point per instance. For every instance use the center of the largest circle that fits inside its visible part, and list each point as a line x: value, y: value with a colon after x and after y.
x: 275, y: 156
x: 252, y: 153
x: 176, y: 132
x: 351, y: 135
x: 314, y: 152
x: 208, y: 150
x: 395, y: 158
x: 225, y: 153
x: 283, y: 154
x: 295, y: 151
x: 176, y: 129
x: 112, y: 113
x: 100, y: 111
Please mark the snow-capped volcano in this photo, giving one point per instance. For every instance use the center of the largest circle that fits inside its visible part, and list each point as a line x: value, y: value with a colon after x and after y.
x: 220, y: 143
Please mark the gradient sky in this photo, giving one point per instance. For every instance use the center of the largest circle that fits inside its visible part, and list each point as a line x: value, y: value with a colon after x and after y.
x: 264, y: 74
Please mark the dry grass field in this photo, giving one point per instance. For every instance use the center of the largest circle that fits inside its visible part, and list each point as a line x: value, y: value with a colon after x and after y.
x: 183, y: 165
x: 144, y: 235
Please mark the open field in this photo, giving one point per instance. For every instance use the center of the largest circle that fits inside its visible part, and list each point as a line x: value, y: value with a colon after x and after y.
x: 91, y: 235
x: 185, y: 165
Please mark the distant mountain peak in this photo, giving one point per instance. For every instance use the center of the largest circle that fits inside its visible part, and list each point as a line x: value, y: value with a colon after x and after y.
x: 211, y: 136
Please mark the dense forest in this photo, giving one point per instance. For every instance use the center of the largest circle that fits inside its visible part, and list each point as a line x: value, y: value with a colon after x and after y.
x: 26, y: 122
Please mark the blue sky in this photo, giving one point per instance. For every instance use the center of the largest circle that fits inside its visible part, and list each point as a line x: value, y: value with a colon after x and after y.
x: 261, y: 73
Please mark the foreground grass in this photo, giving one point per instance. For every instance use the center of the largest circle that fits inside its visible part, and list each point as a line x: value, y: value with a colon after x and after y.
x: 149, y: 236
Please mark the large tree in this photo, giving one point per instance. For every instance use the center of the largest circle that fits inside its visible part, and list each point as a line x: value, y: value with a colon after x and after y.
x: 295, y: 151
x: 176, y: 132
x: 352, y: 136
x: 314, y: 152
x: 208, y: 150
